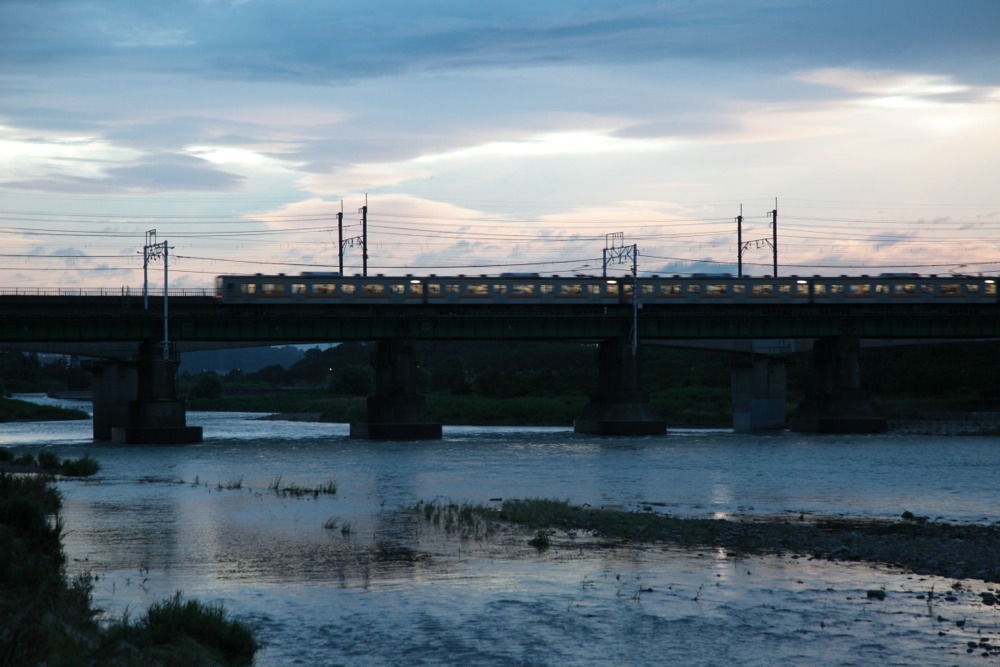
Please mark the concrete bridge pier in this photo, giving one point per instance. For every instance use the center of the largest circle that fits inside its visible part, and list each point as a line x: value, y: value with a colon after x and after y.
x: 836, y: 403
x: 619, y: 407
x: 396, y: 411
x: 758, y: 389
x: 135, y: 402
x: 115, y: 384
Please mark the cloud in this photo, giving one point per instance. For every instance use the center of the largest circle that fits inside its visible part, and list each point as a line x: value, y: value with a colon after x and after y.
x: 150, y: 174
x: 322, y: 42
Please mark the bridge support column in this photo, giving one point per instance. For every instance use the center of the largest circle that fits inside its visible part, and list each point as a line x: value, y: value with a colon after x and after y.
x: 836, y: 403
x: 758, y: 389
x: 116, y: 383
x: 135, y: 402
x: 396, y: 411
x: 619, y: 407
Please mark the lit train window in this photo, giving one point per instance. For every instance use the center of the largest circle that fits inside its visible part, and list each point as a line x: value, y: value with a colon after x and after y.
x: 990, y: 287
x: 272, y: 288
x: 762, y: 289
x: 802, y: 288
x: 453, y: 288
x: 717, y: 289
x: 670, y: 289
x: 499, y: 289
x: 523, y: 289
x: 819, y: 290
x: 324, y: 289
x: 739, y: 289
x: 861, y: 289
x: 611, y: 288
x: 950, y: 288
x: 298, y: 288
x: 972, y: 288
x: 248, y: 288
x: 906, y: 289
x: 433, y: 289
x: 647, y: 289
x: 347, y: 289
x: 547, y: 288
x: 478, y: 290
x: 416, y: 288
x: 593, y: 289
x: 694, y: 289
x: 398, y: 289
x: 571, y: 289
x: 881, y: 289
x: 784, y: 289
x: 372, y: 288
x: 836, y: 289
x: 627, y: 288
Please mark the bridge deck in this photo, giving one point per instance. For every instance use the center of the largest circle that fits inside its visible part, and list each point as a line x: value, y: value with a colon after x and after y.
x: 116, y: 318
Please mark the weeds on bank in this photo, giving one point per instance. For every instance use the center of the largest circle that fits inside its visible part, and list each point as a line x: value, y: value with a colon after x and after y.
x: 296, y: 491
x: 51, y: 464
x: 346, y: 529
x: 467, y: 520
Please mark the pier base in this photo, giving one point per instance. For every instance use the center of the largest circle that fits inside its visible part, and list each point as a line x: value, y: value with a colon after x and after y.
x: 836, y: 403
x: 619, y: 407
x: 135, y: 402
x: 396, y: 411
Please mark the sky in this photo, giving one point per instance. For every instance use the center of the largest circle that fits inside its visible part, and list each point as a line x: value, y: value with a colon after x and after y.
x: 494, y: 137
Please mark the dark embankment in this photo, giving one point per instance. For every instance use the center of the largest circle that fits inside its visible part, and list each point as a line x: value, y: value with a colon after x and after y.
x: 49, y: 620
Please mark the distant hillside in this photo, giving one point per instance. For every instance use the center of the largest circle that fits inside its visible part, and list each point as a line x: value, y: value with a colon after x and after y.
x: 247, y: 359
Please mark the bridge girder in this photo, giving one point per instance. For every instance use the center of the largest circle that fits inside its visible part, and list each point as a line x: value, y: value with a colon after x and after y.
x: 49, y: 320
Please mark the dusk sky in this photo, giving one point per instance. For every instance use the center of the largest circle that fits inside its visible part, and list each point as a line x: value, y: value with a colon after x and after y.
x: 491, y: 137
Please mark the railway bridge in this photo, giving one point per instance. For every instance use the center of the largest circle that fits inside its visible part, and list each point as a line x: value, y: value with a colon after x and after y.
x: 135, y: 396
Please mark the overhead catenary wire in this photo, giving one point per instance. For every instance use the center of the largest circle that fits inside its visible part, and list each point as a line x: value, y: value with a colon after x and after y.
x: 420, y: 242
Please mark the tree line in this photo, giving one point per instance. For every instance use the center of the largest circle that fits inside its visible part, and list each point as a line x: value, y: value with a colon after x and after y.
x: 510, y: 369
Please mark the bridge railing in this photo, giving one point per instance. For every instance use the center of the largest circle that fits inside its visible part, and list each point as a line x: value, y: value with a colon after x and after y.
x: 103, y: 291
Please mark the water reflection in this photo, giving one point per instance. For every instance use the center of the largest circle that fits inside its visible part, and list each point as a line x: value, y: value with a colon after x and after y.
x: 394, y: 589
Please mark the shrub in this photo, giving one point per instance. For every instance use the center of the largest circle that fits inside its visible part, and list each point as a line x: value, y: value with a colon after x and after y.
x: 82, y: 467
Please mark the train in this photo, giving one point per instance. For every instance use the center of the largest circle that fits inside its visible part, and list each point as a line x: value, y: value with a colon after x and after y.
x: 533, y: 288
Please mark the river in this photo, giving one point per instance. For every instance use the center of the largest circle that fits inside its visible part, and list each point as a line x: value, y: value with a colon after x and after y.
x: 358, y: 578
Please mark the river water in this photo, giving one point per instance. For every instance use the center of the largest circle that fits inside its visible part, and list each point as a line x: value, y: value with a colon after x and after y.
x: 359, y: 578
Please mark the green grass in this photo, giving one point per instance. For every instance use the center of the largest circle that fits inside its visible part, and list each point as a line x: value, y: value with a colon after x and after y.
x: 50, y: 464
x: 182, y: 632
x: 14, y: 410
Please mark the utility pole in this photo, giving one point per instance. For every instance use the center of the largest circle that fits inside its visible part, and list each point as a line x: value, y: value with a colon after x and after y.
x: 364, y: 238
x: 150, y: 251
x: 774, y: 235
x: 340, y: 236
x: 739, y: 243
x: 166, y: 328
x: 757, y: 243
x: 616, y: 250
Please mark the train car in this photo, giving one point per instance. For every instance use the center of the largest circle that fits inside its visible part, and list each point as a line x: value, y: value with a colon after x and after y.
x: 532, y: 288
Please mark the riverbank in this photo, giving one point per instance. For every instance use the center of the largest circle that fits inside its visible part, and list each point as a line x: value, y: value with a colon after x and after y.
x: 687, y: 407
x: 16, y: 410
x: 48, y: 619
